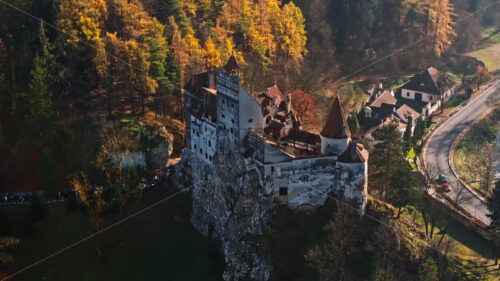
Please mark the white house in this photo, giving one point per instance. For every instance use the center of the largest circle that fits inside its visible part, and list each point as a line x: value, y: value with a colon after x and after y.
x: 425, y: 87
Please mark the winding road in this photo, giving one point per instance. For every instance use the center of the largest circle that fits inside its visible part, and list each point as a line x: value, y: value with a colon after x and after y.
x: 437, y: 150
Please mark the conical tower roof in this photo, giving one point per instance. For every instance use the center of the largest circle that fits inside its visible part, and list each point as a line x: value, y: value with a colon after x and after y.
x: 336, y: 125
x: 232, y: 64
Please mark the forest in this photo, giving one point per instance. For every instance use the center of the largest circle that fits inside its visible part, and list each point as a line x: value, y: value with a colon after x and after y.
x: 80, y: 78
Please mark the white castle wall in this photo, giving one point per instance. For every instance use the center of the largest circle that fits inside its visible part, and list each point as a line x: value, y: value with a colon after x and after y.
x: 203, y: 139
x: 333, y: 146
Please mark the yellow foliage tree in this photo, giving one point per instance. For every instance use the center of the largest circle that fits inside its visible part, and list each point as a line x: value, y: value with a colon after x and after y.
x: 83, y: 20
x: 211, y: 55
x: 441, y: 25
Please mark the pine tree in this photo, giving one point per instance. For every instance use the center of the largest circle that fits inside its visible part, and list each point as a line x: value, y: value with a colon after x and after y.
x: 493, y: 205
x: 386, y: 157
x: 352, y: 122
x: 403, y: 187
x: 362, y: 114
x: 418, y: 131
x: 40, y: 100
x: 407, y: 141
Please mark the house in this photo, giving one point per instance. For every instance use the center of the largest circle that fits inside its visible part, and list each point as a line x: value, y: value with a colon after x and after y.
x: 296, y: 167
x: 382, y: 110
x: 428, y: 88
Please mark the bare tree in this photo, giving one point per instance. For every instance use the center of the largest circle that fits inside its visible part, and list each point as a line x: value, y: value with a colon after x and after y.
x: 444, y: 84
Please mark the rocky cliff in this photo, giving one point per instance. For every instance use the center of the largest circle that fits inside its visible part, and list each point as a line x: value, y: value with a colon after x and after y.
x: 230, y: 206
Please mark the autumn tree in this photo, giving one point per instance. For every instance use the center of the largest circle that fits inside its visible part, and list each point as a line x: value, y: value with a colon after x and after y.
x: 82, y: 24
x: 91, y: 197
x: 211, y: 55
x: 6, y: 246
x: 115, y: 145
x: 440, y: 26
x: 304, y: 107
x: 482, y: 75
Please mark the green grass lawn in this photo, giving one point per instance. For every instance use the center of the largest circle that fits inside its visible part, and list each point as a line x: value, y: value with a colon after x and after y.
x: 489, y: 50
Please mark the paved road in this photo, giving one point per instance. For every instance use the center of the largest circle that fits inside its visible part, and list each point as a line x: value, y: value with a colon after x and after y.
x: 437, y: 151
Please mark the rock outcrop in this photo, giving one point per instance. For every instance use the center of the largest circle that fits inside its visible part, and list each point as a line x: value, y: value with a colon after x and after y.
x: 230, y: 206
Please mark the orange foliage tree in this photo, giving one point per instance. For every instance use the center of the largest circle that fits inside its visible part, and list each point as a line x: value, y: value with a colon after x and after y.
x: 482, y: 75
x: 304, y: 107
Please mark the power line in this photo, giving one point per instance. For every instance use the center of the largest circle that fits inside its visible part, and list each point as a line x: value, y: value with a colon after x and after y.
x: 95, y: 234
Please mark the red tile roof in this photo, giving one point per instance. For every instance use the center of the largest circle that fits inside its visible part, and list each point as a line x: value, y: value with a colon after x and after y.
x: 385, y: 97
x: 275, y: 93
x: 405, y: 111
x: 336, y: 125
x: 232, y: 64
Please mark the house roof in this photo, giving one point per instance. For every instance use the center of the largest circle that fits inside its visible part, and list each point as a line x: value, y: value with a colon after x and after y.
x: 336, y: 125
x: 232, y: 64
x: 296, y: 134
x: 275, y: 94
x: 405, y: 111
x: 425, y: 82
x: 197, y: 81
x: 385, y: 97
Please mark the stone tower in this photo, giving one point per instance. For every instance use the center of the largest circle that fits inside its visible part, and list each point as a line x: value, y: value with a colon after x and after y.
x: 335, y: 136
x: 228, y: 99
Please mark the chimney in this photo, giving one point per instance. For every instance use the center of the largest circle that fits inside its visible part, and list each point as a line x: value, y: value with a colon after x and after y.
x: 211, y: 80
x: 288, y: 102
x: 380, y: 85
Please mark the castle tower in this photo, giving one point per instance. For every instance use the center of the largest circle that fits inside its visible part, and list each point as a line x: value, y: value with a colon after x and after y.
x: 228, y: 99
x: 335, y: 136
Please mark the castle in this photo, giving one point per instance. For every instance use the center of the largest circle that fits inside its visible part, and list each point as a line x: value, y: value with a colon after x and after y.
x: 296, y: 167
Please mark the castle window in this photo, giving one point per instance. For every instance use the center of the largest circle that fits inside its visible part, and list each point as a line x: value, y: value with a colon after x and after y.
x: 231, y: 130
x: 201, y: 151
x: 232, y: 105
x: 195, y: 146
x: 250, y: 120
x: 272, y: 169
x: 210, y: 143
x: 232, y: 121
x: 283, y: 191
x: 407, y: 94
x: 223, y: 101
x: 206, y: 156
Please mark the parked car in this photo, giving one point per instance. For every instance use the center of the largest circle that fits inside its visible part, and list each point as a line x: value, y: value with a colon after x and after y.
x: 442, y: 179
x: 445, y: 187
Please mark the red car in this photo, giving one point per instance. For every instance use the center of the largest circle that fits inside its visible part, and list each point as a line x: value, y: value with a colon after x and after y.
x: 446, y: 187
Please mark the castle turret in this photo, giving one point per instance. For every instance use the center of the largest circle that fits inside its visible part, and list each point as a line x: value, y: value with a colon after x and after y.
x: 228, y: 100
x: 335, y: 136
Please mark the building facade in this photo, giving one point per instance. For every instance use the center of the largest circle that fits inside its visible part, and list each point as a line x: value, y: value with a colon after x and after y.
x: 296, y: 167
